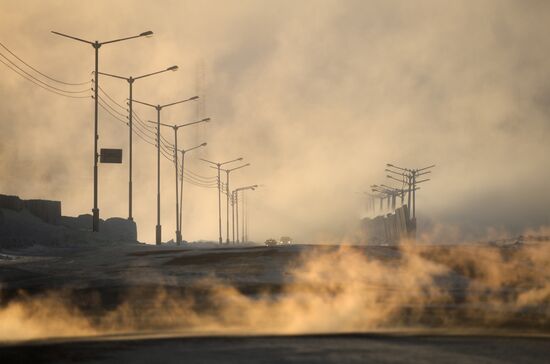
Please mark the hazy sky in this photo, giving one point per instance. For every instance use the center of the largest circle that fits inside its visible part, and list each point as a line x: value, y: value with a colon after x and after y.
x: 317, y: 95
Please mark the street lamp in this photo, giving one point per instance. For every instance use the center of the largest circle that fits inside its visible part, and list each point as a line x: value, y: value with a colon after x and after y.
x: 183, y: 151
x: 158, y: 229
x: 227, y: 171
x: 176, y: 128
x: 218, y: 166
x: 96, y: 45
x: 236, y: 199
x: 130, y: 81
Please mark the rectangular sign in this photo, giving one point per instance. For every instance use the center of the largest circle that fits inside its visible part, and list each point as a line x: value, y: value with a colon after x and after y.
x: 110, y: 156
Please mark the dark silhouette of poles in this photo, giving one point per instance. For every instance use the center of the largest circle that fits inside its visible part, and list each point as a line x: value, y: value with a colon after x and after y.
x: 96, y: 45
x: 236, y: 192
x: 158, y: 228
x: 409, y: 176
x: 183, y: 151
x: 218, y: 166
x: 227, y: 171
x: 130, y: 81
x: 176, y: 128
x: 371, y: 203
x: 233, y: 216
x: 245, y: 216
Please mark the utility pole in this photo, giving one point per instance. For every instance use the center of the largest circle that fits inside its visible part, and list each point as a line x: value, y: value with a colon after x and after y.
x: 245, y: 218
x: 96, y: 45
x: 183, y: 151
x: 131, y: 81
x: 233, y: 216
x: 176, y: 128
x: 218, y: 167
x: 409, y: 176
x: 236, y: 192
x: 158, y: 228
x: 237, y: 214
x: 227, y: 171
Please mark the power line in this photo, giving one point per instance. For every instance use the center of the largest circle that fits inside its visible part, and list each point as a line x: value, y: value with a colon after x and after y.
x: 112, y: 108
x: 40, y: 81
x: 110, y: 113
x: 188, y: 177
x: 199, y: 176
x: 37, y: 71
x: 110, y: 98
x: 44, y: 87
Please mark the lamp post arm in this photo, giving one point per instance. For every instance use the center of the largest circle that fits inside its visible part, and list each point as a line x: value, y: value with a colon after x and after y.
x: 195, y: 147
x: 144, y: 103
x: 75, y: 38
x: 207, y: 161
x: 234, y: 169
x: 181, y: 101
x: 126, y: 38
x: 191, y: 123
x: 111, y: 75
x: 151, y: 74
x: 231, y: 161
x: 156, y: 122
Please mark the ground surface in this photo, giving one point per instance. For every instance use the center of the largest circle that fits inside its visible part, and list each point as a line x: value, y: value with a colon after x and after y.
x: 290, y: 349
x: 97, y: 279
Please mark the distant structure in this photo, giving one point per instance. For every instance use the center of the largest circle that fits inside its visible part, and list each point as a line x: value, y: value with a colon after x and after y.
x: 28, y: 222
x: 393, y: 223
x: 47, y: 211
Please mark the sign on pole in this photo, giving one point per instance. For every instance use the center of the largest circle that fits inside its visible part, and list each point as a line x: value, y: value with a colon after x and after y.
x: 110, y: 156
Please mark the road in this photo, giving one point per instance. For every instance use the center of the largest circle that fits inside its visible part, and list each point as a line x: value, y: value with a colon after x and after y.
x: 337, y: 349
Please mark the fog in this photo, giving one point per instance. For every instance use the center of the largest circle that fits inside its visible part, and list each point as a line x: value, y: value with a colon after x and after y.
x: 317, y: 95
x: 332, y: 291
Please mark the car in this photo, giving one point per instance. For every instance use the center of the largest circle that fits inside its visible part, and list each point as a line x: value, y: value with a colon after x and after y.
x: 286, y: 240
x: 271, y: 242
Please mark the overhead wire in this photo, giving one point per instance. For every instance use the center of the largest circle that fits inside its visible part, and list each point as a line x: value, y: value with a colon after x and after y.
x: 42, y: 86
x: 40, y: 81
x: 142, y: 130
x: 110, y: 113
x: 40, y: 73
x: 112, y: 108
x: 198, y: 175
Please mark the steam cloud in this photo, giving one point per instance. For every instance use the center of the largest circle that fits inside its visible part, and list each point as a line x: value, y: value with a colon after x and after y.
x: 333, y: 290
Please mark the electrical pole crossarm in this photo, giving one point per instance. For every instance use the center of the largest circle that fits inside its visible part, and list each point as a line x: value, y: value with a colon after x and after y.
x: 396, y: 179
x: 423, y: 173
x: 397, y: 173
x: 394, y: 166
x: 421, y: 169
